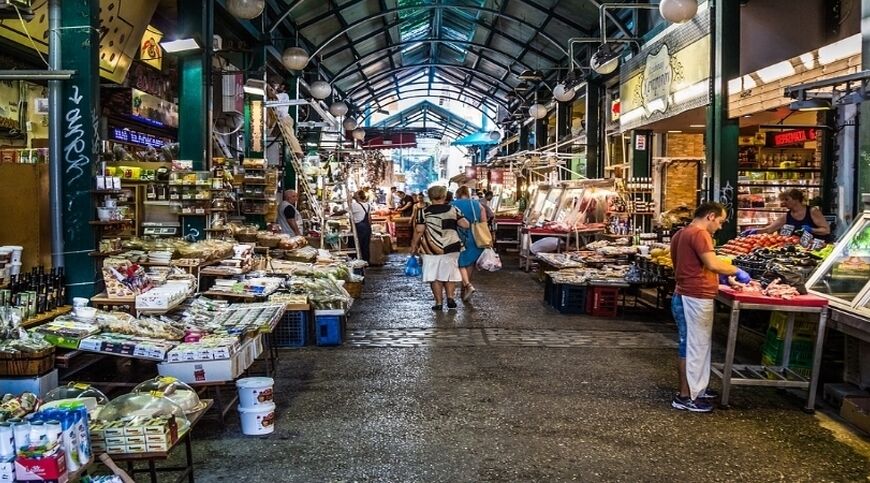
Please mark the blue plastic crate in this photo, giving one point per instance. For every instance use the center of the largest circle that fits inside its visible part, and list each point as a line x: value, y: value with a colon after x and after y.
x: 571, y: 299
x: 292, y: 330
x: 327, y: 329
x: 551, y: 291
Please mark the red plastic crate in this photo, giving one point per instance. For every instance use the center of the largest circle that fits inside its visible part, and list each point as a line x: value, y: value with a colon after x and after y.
x: 602, y: 301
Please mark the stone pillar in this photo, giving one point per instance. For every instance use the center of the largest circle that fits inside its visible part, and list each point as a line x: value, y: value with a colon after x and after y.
x: 79, y: 44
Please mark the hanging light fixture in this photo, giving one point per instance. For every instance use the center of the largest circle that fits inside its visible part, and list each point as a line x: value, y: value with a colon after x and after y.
x: 678, y: 11
x: 320, y: 89
x: 605, y: 60
x: 246, y: 9
x: 359, y: 134
x: 538, y: 111
x: 563, y: 94
x: 294, y: 58
x: 494, y: 135
x: 349, y: 124
x: 338, y: 108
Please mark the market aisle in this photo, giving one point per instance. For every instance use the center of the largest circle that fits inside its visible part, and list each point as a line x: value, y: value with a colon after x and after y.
x: 509, y: 391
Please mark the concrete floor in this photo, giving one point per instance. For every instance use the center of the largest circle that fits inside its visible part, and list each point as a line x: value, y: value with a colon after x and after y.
x: 510, y: 390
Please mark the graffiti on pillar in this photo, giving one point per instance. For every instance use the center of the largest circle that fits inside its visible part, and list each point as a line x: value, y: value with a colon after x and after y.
x: 726, y: 198
x: 74, y: 149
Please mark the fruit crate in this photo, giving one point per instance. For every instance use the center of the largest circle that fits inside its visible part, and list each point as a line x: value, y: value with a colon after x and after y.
x: 571, y: 299
x: 602, y: 301
x: 292, y: 330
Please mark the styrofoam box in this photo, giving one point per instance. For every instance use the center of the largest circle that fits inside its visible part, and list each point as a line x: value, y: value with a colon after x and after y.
x: 216, y: 370
x: 37, y: 385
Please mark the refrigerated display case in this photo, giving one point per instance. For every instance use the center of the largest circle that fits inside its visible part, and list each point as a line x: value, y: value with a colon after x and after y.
x: 844, y: 277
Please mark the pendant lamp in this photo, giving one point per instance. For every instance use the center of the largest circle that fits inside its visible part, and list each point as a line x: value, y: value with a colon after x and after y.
x: 338, y: 108
x: 359, y: 134
x: 349, y: 124
x: 494, y: 135
x: 562, y: 94
x: 294, y: 58
x: 246, y: 9
x: 678, y: 11
x: 320, y: 90
x: 538, y: 111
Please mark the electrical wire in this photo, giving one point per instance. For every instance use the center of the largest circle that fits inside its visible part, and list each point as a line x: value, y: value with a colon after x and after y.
x: 27, y: 32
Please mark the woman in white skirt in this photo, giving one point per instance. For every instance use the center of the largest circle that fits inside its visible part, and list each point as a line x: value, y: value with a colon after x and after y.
x: 436, y: 239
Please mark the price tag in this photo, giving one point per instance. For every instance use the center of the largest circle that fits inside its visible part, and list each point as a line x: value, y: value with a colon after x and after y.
x: 818, y: 244
x: 806, y: 239
x: 786, y: 230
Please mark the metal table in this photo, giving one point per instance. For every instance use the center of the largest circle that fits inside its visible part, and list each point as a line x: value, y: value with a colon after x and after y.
x: 771, y: 376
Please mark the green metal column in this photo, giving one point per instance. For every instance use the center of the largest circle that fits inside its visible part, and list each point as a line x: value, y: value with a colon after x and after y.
x: 594, y: 127
x: 722, y: 132
x: 640, y: 153
x: 862, y: 158
x: 80, y: 44
x: 194, y: 120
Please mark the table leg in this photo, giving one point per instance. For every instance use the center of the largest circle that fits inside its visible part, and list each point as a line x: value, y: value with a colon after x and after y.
x: 152, y: 471
x: 817, y: 361
x: 219, y: 403
x: 188, y: 448
x: 729, y: 353
x: 786, y: 347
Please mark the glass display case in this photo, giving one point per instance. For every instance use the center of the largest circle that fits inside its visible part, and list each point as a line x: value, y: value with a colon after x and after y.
x: 844, y: 277
x: 551, y: 202
x: 533, y: 211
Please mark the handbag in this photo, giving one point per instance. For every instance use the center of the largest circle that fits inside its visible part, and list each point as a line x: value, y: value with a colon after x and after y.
x: 479, y: 231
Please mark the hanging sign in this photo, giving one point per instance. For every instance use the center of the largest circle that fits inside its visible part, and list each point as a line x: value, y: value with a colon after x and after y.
x: 137, y: 138
x: 640, y: 142
x: 150, y: 52
x: 656, y: 86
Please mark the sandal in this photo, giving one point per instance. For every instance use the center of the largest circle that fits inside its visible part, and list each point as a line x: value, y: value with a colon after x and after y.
x: 467, y: 291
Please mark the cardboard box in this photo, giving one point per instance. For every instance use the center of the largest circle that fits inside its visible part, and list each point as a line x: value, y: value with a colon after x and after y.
x: 202, y: 371
x: 52, y: 468
x: 856, y: 410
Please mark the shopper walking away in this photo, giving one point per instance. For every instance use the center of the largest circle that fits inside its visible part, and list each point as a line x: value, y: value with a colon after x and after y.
x: 437, y: 239
x: 360, y: 210
x: 474, y: 213
x: 801, y: 217
x: 696, y: 269
x: 289, y: 217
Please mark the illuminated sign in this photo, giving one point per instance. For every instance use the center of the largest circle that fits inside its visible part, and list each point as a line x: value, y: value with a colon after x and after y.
x: 786, y: 138
x: 135, y: 137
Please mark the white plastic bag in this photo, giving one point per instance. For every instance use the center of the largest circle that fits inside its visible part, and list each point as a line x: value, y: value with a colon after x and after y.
x: 489, y: 261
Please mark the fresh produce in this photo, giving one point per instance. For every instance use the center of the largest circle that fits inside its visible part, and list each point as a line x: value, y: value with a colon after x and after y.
x: 745, y: 244
x: 774, y: 289
x: 661, y: 256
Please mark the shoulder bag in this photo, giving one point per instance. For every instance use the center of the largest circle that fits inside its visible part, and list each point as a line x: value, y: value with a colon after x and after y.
x: 480, y: 232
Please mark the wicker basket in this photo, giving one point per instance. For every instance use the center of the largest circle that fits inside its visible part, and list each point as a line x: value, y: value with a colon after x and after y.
x: 27, y: 364
x: 354, y: 289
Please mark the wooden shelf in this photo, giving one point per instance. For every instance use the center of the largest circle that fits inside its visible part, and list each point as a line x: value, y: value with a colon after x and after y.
x: 110, y: 222
x: 107, y: 192
x: 784, y: 170
x: 43, y: 318
x: 106, y: 254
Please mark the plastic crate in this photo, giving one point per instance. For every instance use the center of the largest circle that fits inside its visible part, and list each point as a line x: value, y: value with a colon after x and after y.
x: 571, y: 299
x: 802, y: 371
x: 292, y: 330
x: 327, y: 330
x: 805, y: 325
x: 551, y: 292
x: 801, y: 354
x: 602, y: 301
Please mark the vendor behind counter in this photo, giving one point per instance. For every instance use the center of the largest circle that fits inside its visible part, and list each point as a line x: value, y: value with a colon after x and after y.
x: 801, y: 217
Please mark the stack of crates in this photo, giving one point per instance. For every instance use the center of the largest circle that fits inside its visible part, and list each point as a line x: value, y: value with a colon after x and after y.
x: 602, y: 301
x: 802, y: 345
x: 571, y: 299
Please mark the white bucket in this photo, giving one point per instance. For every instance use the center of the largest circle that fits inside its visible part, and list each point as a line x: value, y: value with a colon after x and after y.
x: 255, y: 391
x: 16, y: 253
x: 258, y: 420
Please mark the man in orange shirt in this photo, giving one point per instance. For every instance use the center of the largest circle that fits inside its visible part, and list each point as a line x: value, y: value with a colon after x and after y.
x: 696, y: 269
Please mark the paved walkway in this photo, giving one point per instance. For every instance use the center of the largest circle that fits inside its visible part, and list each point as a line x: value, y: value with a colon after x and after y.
x: 507, y: 389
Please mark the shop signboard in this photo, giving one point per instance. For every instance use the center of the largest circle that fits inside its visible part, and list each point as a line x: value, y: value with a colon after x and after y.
x: 122, y: 28
x: 136, y: 138
x: 153, y: 110
x: 788, y: 138
x: 150, y: 52
x: 670, y: 75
